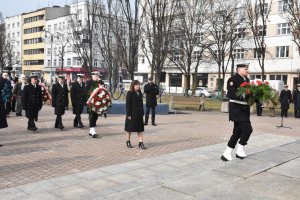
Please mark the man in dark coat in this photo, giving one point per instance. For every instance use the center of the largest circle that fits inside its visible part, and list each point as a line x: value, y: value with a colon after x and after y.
x: 3, y: 122
x: 239, y: 113
x: 14, y: 81
x: 285, y: 99
x: 151, y: 90
x: 32, y: 101
x: 91, y: 85
x: 296, y: 101
x: 60, y: 100
x: 78, y: 98
x: 6, y: 92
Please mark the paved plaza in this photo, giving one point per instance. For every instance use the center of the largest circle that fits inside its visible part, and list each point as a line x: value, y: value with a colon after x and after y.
x: 182, y: 160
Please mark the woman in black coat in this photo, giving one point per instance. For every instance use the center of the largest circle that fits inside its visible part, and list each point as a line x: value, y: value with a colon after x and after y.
x: 134, y: 113
x: 3, y: 122
x: 285, y: 99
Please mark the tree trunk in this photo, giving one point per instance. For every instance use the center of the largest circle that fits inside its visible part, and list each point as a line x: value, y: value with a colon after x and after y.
x: 187, y: 84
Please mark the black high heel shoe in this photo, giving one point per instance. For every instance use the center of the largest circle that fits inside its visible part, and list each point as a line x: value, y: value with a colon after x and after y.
x: 142, y: 146
x: 128, y: 144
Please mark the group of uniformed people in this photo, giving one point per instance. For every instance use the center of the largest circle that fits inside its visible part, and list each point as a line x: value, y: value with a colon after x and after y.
x: 30, y: 95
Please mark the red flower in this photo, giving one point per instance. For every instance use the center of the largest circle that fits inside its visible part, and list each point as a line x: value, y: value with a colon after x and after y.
x: 258, y: 82
x: 244, y: 84
x: 248, y: 91
x: 267, y: 82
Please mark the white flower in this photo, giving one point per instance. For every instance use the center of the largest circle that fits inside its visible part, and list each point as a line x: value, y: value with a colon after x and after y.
x: 105, y: 108
x: 98, y: 103
x: 103, y: 101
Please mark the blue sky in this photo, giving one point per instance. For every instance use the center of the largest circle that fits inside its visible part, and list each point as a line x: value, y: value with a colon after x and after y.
x: 15, y: 7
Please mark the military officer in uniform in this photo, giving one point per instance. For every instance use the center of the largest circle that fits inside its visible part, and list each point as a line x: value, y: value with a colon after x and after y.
x: 32, y: 101
x: 60, y: 100
x: 78, y: 99
x: 90, y: 87
x: 285, y: 100
x: 239, y: 113
x: 151, y: 90
x: 296, y: 101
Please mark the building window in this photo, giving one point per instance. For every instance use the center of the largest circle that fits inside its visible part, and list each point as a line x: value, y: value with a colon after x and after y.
x: 48, y: 51
x: 18, y: 34
x: 59, y: 62
x: 78, y: 63
x: 55, y: 27
x: 13, y: 25
x: 197, y: 55
x: 96, y: 63
x: 282, y: 52
x: 283, y: 29
x: 18, y: 24
x: 69, y: 62
x: 240, y: 32
x: 262, y: 30
x: 283, y: 6
x: 279, y: 77
x: 49, y: 63
x: 259, y: 52
x: 143, y: 59
x: 54, y: 63
x: 49, y: 28
x: 238, y: 53
x: 199, y: 37
x: 240, y: 12
x: 264, y: 7
x: 176, y: 57
x: 8, y: 26
x: 256, y: 76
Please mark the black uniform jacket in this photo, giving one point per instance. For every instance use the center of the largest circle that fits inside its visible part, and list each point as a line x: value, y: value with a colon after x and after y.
x: 78, y: 97
x: 32, y: 100
x: 60, y: 98
x: 237, y: 112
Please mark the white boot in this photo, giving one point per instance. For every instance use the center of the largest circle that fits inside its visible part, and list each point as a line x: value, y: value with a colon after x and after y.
x: 93, y: 132
x: 227, y: 154
x: 240, y: 153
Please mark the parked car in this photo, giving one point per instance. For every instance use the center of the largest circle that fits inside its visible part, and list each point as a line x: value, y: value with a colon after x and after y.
x: 200, y: 92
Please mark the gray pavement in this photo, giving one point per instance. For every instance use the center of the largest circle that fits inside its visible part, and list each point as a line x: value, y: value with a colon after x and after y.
x: 272, y: 171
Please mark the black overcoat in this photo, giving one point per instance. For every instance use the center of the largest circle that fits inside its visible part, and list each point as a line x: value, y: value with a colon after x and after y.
x: 78, y: 97
x: 3, y: 122
x: 151, y: 90
x: 237, y: 112
x: 285, y: 99
x: 60, y: 98
x: 134, y: 109
x: 296, y: 99
x: 32, y: 100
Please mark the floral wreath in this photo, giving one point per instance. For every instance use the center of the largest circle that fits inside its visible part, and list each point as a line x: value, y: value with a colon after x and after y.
x: 100, y: 100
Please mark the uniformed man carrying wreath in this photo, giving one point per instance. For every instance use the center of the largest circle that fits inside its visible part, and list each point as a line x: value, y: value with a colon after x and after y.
x: 239, y: 113
x: 90, y: 87
x: 32, y: 101
x: 60, y: 100
x: 78, y: 98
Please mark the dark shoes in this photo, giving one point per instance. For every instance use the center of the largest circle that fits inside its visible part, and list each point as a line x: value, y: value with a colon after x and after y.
x: 128, y: 144
x: 18, y: 114
x: 32, y: 128
x: 141, y: 145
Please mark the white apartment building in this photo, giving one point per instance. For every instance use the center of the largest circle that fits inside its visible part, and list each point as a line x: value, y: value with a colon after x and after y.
x: 282, y: 57
x: 61, y: 31
x: 14, y: 39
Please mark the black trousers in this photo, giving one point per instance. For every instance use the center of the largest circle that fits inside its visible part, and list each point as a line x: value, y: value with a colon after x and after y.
x: 297, y: 113
x: 148, y: 112
x: 13, y: 105
x: 31, y: 123
x: 241, y: 133
x: 284, y: 112
x: 259, y: 111
x: 93, y: 117
x: 7, y: 107
x: 77, y: 119
x: 58, y: 121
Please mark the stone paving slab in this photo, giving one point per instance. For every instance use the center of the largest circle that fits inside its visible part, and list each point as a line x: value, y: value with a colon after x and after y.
x: 270, y: 172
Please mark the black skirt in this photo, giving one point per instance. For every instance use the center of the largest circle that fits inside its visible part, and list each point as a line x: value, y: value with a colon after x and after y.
x: 134, y: 125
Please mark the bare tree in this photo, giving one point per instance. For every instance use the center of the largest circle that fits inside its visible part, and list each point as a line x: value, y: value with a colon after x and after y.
x: 2, y: 42
x: 82, y: 28
x: 258, y: 13
x: 189, y: 39
x: 224, y: 37
x: 104, y: 38
x: 158, y: 17
x: 62, y: 42
x: 127, y: 31
x: 291, y: 12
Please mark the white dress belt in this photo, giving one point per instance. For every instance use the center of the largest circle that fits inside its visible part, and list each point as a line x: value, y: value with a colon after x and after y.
x: 238, y: 102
